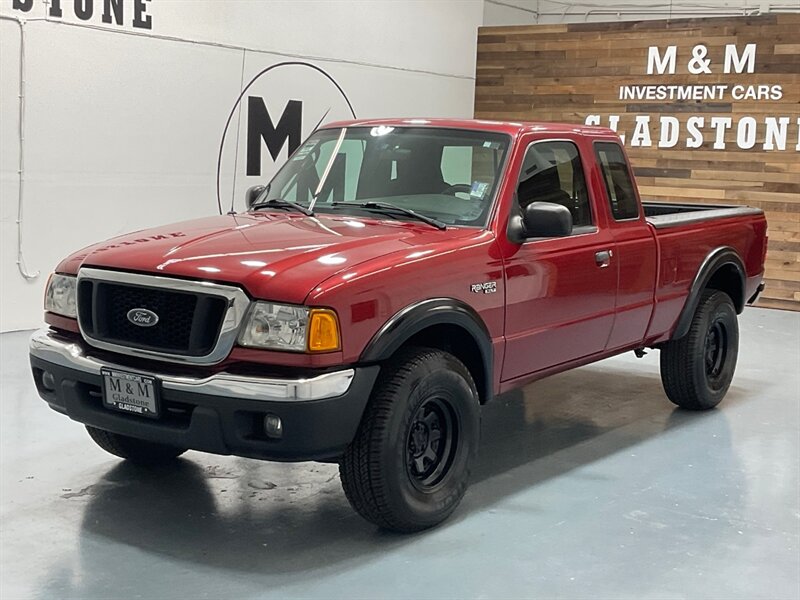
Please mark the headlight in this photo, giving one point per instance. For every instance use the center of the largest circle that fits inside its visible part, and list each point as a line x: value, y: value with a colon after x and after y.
x: 275, y: 326
x: 296, y: 328
x: 60, y: 295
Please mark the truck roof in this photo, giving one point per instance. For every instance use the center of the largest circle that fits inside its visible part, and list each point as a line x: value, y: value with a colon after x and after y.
x: 509, y: 127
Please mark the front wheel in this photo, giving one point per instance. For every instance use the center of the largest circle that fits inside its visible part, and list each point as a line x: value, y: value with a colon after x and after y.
x: 133, y: 449
x: 697, y: 369
x: 408, y: 466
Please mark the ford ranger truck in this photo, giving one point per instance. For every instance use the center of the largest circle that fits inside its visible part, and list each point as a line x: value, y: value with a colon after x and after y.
x: 391, y: 278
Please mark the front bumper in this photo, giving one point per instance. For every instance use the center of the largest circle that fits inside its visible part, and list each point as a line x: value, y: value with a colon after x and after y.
x: 222, y: 413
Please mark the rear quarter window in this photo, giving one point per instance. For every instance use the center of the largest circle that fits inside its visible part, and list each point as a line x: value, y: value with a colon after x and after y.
x: 617, y: 178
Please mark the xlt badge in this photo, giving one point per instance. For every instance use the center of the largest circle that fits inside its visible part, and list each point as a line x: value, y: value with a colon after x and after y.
x: 490, y: 287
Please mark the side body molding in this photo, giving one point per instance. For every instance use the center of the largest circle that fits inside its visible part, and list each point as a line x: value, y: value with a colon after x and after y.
x: 718, y: 258
x: 436, y: 311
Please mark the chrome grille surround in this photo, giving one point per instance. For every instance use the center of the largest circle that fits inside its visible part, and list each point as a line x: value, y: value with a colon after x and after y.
x: 237, y: 305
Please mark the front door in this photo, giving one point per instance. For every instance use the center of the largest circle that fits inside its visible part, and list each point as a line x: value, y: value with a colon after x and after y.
x: 560, y: 292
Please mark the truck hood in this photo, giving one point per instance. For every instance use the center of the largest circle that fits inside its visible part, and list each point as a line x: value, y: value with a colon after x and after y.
x: 280, y: 257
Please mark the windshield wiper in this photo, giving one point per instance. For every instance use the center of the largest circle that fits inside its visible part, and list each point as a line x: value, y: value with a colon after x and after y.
x: 387, y: 206
x: 280, y: 203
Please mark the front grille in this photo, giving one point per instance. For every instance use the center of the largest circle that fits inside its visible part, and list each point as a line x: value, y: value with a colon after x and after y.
x: 188, y: 322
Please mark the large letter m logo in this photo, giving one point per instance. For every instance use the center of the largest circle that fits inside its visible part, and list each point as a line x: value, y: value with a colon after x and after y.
x: 260, y: 127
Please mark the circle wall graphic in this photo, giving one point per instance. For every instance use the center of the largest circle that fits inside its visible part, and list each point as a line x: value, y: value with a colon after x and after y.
x: 280, y: 107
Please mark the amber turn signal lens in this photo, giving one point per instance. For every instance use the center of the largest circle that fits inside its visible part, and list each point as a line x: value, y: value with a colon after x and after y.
x: 323, y: 330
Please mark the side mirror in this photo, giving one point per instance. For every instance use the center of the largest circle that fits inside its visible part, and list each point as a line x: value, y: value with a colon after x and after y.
x: 540, y: 219
x: 252, y: 194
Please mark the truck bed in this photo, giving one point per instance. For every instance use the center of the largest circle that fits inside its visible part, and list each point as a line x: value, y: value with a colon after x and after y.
x: 664, y: 214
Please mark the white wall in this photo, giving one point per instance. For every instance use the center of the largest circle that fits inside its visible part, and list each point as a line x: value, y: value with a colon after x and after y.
x: 523, y: 12
x: 122, y: 125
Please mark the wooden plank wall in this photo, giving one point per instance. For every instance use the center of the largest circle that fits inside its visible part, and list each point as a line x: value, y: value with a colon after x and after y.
x: 567, y: 72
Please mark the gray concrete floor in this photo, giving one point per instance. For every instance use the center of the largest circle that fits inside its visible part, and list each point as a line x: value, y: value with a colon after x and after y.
x: 589, y: 485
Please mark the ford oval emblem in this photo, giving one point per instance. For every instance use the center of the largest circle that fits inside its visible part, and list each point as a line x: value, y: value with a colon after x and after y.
x: 142, y: 317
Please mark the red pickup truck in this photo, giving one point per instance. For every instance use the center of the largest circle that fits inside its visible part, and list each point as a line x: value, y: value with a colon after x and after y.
x: 390, y: 279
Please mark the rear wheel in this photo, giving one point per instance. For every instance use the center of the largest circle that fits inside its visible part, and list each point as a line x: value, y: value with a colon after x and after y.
x: 133, y: 449
x: 408, y: 466
x: 697, y: 369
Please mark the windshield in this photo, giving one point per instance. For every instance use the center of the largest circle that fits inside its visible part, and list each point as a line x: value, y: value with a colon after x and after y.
x: 445, y: 174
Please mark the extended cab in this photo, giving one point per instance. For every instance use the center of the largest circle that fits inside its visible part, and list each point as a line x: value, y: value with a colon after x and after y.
x: 393, y: 277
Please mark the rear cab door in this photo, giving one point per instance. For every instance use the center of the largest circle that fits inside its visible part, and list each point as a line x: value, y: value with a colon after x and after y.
x: 560, y: 292
x: 635, y: 246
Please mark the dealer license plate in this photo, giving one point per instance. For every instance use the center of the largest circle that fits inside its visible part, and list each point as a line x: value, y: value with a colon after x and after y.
x: 130, y: 393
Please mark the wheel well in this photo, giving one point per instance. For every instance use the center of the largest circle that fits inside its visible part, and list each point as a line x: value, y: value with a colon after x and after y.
x: 728, y: 279
x: 458, y: 342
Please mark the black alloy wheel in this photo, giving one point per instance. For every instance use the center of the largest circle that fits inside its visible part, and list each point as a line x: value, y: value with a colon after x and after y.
x: 408, y: 466
x: 716, y: 349
x: 698, y: 368
x: 432, y: 442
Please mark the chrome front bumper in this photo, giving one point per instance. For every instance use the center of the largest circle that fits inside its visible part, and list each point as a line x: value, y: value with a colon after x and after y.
x: 50, y: 347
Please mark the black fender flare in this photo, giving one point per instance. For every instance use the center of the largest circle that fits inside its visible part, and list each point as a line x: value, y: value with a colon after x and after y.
x: 716, y: 259
x: 417, y: 317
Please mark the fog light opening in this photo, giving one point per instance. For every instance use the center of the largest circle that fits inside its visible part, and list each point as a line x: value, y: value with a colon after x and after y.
x: 273, y: 426
x: 48, y: 381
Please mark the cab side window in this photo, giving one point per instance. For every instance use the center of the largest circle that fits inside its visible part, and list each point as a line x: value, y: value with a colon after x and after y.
x: 552, y: 172
x: 617, y: 178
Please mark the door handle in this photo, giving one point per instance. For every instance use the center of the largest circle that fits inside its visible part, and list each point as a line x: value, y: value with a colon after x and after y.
x: 603, y: 258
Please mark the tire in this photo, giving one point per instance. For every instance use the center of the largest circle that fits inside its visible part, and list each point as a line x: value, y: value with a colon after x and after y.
x: 398, y: 472
x: 697, y: 369
x: 133, y: 449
